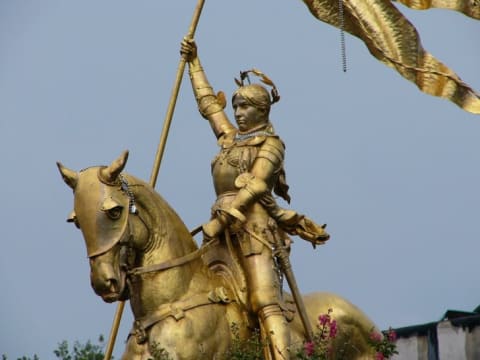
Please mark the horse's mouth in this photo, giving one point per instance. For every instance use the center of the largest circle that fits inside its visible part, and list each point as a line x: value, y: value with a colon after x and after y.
x: 111, y: 293
x: 115, y: 295
x: 111, y: 297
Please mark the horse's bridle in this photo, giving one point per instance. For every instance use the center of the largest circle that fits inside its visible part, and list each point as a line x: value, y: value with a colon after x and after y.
x: 132, y: 209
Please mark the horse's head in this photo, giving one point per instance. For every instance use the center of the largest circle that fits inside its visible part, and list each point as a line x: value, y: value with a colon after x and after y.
x: 103, y: 207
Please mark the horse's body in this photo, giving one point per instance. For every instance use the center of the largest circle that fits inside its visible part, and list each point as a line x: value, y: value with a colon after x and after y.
x: 140, y: 249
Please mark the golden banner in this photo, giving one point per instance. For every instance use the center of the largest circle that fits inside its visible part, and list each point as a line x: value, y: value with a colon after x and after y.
x: 468, y: 7
x: 393, y: 40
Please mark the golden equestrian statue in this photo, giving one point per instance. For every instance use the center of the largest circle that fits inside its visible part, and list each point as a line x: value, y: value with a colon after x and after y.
x: 139, y: 249
x: 188, y: 300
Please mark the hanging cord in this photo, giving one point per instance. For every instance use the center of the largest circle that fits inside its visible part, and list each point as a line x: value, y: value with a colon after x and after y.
x: 342, y: 35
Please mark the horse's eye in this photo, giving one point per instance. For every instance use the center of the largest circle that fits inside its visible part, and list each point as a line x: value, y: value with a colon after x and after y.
x: 115, y: 212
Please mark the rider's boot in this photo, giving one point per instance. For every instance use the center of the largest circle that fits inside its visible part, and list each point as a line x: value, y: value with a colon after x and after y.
x: 276, y: 333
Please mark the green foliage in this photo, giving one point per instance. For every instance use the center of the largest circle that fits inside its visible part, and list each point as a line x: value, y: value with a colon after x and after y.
x: 87, y: 351
x: 383, y: 344
x: 159, y: 353
x: 320, y: 348
x: 35, y: 357
x: 250, y: 348
x: 245, y: 349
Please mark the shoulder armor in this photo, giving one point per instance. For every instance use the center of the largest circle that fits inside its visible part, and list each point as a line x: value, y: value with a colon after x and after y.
x: 227, y: 139
x: 272, y: 149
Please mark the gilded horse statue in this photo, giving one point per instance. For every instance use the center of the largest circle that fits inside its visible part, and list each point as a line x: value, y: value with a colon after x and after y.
x: 140, y: 250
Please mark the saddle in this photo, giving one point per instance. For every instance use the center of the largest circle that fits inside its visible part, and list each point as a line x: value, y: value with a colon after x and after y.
x: 223, y: 260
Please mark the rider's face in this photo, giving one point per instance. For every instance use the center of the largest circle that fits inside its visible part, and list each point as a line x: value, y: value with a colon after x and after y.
x: 247, y: 116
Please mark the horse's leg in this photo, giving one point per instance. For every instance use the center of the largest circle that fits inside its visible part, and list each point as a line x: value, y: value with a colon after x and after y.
x: 203, y: 333
x: 135, y: 351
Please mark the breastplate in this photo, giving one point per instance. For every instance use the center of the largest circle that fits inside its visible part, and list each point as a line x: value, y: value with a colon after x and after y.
x: 230, y: 163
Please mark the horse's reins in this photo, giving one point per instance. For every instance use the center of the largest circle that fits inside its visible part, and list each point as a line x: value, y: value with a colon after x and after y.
x: 186, y: 258
x: 173, y: 262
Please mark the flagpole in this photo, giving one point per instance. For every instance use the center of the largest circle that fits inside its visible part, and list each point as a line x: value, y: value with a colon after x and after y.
x: 158, y: 158
x: 114, y: 331
x: 173, y: 98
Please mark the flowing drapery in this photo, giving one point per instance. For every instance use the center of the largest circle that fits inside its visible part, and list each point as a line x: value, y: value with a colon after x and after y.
x: 393, y: 40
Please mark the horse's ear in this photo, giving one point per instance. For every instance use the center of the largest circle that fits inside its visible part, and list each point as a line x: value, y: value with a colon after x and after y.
x: 69, y: 176
x: 110, y: 173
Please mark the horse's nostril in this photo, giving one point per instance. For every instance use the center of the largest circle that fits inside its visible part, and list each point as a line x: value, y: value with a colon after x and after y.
x: 111, y: 285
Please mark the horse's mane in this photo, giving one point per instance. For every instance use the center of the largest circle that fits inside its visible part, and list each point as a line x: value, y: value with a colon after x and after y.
x: 155, y: 210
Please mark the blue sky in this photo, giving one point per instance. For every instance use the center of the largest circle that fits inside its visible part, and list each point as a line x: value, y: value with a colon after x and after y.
x: 392, y: 171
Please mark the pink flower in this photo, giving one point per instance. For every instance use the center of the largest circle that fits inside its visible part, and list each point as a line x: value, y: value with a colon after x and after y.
x: 379, y: 356
x: 333, y: 329
x: 309, y: 348
x: 376, y: 336
x: 392, y: 335
x: 323, y: 319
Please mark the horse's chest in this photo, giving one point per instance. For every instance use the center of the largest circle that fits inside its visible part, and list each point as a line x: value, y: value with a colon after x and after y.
x: 204, y: 333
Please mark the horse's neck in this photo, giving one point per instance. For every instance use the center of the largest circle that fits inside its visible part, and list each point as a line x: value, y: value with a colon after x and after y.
x: 168, y: 239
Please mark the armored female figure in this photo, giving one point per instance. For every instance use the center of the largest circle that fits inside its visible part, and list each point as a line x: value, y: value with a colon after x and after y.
x: 246, y: 171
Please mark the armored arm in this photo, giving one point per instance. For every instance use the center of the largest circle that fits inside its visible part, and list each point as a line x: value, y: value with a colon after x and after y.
x: 210, y: 105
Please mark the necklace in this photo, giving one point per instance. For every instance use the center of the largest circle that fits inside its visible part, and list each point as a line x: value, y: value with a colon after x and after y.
x: 241, y: 137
